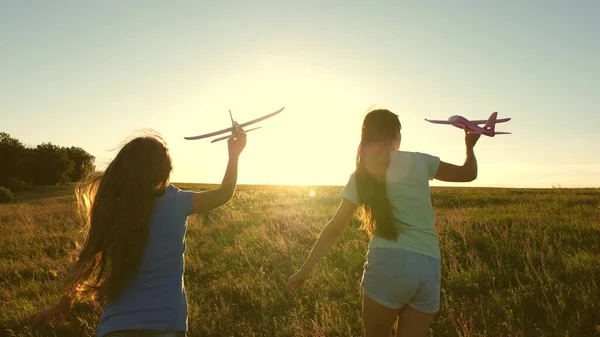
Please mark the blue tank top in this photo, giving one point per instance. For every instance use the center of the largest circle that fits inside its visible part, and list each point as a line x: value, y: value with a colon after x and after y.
x: 155, y: 299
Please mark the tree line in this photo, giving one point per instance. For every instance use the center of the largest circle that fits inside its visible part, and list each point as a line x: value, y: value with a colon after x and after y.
x: 24, y: 167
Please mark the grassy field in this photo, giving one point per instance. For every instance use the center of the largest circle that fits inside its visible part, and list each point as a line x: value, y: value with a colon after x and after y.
x: 515, y: 262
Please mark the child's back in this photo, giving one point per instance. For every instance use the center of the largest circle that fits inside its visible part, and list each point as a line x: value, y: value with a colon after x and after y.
x: 155, y: 299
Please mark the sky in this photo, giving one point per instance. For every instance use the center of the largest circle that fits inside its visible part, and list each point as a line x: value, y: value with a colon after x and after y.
x: 95, y: 74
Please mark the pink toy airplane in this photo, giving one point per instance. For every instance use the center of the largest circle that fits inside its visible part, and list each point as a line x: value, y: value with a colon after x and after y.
x: 489, y: 129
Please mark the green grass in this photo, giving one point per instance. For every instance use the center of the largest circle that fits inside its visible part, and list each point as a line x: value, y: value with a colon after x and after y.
x: 515, y: 262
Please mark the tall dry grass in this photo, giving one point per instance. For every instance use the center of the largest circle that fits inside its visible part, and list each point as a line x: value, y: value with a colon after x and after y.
x: 515, y: 262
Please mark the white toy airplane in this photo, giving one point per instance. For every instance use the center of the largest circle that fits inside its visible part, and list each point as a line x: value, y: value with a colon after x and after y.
x: 489, y: 129
x: 233, y: 124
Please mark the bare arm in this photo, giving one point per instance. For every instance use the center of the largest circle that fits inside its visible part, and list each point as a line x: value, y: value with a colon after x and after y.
x: 207, y: 200
x: 211, y: 199
x: 465, y: 173
x: 330, y: 235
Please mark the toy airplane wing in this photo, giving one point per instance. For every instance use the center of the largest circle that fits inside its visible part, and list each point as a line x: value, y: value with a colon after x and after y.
x: 438, y: 121
x: 206, y: 135
x: 223, y: 138
x: 500, y: 120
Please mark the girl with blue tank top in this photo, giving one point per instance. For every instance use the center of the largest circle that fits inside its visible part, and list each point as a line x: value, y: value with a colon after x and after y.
x: 132, y: 260
x: 401, y: 277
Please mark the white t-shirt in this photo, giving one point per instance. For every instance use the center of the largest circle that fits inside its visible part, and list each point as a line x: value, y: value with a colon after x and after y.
x: 407, y: 187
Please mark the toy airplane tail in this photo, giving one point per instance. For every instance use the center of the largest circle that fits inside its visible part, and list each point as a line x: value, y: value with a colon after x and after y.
x: 491, y: 123
x: 490, y: 126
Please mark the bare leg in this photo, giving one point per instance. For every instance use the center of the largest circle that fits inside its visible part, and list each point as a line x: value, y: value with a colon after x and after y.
x: 413, y: 323
x: 378, y: 319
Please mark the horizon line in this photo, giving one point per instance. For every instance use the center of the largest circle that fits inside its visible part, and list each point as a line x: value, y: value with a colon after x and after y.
x: 341, y: 186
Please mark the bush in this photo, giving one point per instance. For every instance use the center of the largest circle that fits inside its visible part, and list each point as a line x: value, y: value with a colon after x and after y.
x: 11, y: 152
x: 84, y: 163
x: 45, y: 164
x: 52, y: 165
x: 5, y: 194
x: 14, y: 184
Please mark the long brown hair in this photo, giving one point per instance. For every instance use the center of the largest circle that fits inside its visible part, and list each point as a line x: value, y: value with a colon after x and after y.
x: 379, y: 130
x: 116, y: 207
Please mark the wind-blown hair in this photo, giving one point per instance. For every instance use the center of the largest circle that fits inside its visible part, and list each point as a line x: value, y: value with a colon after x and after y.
x: 379, y: 131
x: 116, y: 207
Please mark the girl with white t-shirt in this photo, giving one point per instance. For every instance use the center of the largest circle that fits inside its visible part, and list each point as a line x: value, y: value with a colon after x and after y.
x: 401, y: 278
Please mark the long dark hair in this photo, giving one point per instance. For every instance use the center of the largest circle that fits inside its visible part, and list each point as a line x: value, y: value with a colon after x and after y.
x: 379, y: 130
x: 116, y: 206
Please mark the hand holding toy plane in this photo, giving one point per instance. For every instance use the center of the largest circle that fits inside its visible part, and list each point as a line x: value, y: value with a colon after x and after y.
x: 489, y: 129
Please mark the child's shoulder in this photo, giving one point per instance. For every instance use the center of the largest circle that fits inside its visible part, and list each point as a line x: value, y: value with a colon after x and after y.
x: 170, y: 192
x: 402, y: 160
x: 174, y: 197
x: 411, y: 155
x: 172, y: 188
x: 178, y: 193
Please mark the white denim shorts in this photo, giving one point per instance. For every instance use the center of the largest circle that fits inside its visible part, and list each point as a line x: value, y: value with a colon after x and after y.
x: 394, y: 277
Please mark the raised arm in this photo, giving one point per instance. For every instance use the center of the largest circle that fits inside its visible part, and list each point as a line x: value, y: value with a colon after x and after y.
x: 465, y: 173
x: 330, y: 235
x: 211, y: 199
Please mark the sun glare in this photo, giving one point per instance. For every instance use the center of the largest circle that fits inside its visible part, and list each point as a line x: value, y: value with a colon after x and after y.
x: 311, y: 142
